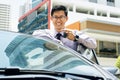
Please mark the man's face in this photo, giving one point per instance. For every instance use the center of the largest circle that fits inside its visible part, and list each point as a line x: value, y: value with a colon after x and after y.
x: 59, y: 19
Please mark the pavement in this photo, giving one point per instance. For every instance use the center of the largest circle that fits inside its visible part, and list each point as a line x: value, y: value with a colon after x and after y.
x: 106, y: 61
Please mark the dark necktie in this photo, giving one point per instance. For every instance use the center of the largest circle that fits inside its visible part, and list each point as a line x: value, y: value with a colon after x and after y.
x: 58, y: 36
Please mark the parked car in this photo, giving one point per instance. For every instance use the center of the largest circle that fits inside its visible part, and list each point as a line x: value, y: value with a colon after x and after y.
x: 24, y: 56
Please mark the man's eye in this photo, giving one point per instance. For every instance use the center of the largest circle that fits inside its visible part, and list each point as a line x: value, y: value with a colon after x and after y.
x: 60, y: 17
x: 55, y: 17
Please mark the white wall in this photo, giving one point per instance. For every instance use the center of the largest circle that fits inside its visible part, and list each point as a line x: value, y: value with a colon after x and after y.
x: 103, y: 2
x: 73, y: 17
x: 117, y: 3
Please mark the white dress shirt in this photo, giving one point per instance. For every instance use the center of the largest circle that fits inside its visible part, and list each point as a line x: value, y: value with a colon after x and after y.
x: 83, y: 39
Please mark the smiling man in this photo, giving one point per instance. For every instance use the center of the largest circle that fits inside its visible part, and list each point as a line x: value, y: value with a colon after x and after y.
x: 70, y: 38
x: 59, y: 17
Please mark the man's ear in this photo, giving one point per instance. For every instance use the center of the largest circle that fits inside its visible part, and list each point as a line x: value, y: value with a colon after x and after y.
x: 66, y: 18
x: 51, y: 17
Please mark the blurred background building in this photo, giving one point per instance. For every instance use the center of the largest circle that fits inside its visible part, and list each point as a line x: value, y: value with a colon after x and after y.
x: 4, y: 16
x: 35, y: 17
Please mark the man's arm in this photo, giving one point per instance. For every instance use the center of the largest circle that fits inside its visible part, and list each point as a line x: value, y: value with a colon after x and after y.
x: 86, y: 40
x: 81, y: 38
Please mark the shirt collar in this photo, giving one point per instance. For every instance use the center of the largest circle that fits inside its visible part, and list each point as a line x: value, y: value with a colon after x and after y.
x: 55, y: 32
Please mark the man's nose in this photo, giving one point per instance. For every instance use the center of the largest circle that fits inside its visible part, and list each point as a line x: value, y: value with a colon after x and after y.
x: 58, y: 19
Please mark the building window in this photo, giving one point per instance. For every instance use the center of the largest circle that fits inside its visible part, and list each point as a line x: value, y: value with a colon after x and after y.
x: 111, y: 2
x: 70, y: 8
x: 107, y: 48
x: 99, y: 13
x: 118, y: 48
x: 94, y: 1
x: 82, y: 11
x: 114, y: 16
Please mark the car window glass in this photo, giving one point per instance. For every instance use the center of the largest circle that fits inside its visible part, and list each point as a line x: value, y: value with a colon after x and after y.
x: 28, y: 52
x: 4, y: 41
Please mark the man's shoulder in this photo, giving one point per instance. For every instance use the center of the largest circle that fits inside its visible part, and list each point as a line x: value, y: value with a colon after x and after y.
x: 41, y: 31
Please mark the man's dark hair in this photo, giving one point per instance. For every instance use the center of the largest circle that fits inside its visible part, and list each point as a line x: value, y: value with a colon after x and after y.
x: 59, y: 8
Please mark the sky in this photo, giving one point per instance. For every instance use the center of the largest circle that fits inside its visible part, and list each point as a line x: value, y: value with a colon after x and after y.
x: 15, y: 4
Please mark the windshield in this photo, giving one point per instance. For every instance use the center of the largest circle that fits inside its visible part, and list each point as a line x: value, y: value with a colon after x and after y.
x: 27, y: 52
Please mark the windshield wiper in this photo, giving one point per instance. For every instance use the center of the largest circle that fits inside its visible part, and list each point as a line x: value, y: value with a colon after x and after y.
x: 17, y: 71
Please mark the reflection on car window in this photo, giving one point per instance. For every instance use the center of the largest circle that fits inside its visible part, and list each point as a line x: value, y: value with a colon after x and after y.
x: 31, y: 53
x: 21, y: 46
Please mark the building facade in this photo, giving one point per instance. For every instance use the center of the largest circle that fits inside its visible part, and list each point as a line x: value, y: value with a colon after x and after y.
x: 4, y: 16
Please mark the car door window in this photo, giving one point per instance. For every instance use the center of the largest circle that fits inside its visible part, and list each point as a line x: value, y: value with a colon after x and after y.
x: 28, y: 52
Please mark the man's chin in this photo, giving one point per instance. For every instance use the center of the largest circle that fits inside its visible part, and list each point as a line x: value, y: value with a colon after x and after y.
x: 59, y: 30
x: 59, y: 26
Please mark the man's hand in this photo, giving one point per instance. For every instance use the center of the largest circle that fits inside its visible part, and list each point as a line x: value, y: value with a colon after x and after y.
x: 69, y: 35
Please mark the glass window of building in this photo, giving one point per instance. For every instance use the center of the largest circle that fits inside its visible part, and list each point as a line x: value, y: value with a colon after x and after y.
x: 108, y: 48
x: 118, y: 48
x: 111, y: 2
x: 95, y: 1
x: 100, y: 13
x: 84, y: 11
x: 114, y: 16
